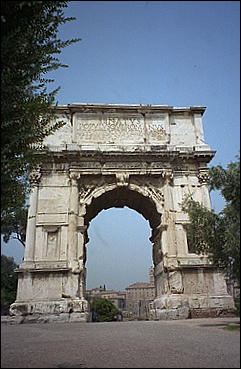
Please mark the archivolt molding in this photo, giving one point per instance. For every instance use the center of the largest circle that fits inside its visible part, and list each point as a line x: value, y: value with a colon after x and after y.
x: 88, y: 192
x: 153, y: 193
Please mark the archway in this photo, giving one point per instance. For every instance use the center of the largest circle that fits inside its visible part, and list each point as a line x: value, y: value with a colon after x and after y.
x: 119, y: 197
x: 119, y: 251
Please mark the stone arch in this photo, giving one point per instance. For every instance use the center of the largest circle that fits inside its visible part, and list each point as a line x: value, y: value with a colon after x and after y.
x: 142, y: 199
x: 141, y: 156
x: 120, y: 197
x: 146, y: 200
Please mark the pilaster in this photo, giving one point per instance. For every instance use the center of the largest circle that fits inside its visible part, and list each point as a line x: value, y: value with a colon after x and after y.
x: 73, y: 217
x: 203, y: 180
x: 34, y: 178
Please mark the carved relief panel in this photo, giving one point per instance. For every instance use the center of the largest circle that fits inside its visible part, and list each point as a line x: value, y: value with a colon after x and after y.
x: 52, y: 243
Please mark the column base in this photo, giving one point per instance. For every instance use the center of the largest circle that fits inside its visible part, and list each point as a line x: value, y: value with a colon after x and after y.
x: 64, y: 310
x: 175, y: 306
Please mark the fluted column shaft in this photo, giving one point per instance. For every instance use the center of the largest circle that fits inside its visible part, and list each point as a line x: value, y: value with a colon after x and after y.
x: 32, y: 213
x: 73, y: 214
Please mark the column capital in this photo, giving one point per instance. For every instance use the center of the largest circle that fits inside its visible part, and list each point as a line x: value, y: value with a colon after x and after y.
x: 35, y: 176
x: 74, y: 176
x: 167, y: 175
x: 82, y: 228
x: 203, y: 176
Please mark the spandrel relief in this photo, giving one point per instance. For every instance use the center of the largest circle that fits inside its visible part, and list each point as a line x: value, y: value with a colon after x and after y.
x: 85, y: 191
x: 156, y: 193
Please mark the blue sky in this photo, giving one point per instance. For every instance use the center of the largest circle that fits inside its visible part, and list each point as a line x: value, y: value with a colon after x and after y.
x: 179, y: 53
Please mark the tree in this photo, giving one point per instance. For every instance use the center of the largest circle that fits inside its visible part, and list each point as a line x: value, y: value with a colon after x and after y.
x: 105, y: 310
x: 29, y: 45
x: 218, y: 235
x: 15, y: 224
x: 8, y: 283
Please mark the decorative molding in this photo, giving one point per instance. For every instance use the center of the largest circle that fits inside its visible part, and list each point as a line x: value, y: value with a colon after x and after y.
x: 74, y: 176
x: 51, y: 228
x: 203, y: 176
x: 35, y: 175
x: 122, y: 179
x: 157, y: 193
x: 85, y: 191
x: 82, y: 229
x: 167, y: 175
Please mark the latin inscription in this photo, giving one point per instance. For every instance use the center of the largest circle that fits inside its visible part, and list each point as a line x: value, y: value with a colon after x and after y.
x: 116, y: 129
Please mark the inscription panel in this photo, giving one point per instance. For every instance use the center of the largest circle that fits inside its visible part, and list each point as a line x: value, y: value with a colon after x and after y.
x: 108, y: 128
x: 113, y: 128
x: 157, y: 127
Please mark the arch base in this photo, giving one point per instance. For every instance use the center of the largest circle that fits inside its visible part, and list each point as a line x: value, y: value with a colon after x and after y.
x: 64, y: 310
x: 171, y: 307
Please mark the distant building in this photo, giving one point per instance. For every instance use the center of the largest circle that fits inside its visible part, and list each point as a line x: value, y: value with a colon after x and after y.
x: 138, y: 297
x: 134, y: 301
x: 116, y: 297
x: 151, y: 275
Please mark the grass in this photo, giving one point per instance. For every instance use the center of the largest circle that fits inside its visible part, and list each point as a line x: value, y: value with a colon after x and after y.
x: 233, y: 327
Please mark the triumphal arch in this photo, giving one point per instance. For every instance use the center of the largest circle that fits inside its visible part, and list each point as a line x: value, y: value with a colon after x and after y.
x: 146, y: 157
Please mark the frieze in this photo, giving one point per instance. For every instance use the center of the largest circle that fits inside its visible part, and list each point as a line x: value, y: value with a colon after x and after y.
x: 123, y: 165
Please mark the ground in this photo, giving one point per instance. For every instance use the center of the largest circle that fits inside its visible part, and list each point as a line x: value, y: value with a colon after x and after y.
x: 197, y: 343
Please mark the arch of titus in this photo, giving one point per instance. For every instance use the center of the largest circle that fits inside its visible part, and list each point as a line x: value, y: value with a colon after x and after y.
x: 146, y: 157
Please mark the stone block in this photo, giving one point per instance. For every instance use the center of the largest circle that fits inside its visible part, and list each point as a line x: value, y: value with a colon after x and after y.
x: 78, y: 317
x: 172, y: 314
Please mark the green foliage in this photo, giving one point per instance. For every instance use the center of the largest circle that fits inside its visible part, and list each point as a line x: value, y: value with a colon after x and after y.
x: 218, y: 235
x: 29, y: 50
x: 14, y: 210
x: 105, y: 309
x: 8, y: 282
x: 15, y: 224
x: 233, y: 327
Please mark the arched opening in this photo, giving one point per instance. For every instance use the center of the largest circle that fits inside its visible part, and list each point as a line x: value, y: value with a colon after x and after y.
x: 119, y: 251
x: 123, y: 196
x: 139, y: 293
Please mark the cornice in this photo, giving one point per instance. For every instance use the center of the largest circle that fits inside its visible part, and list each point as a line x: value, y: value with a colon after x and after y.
x: 129, y: 156
x: 118, y: 108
